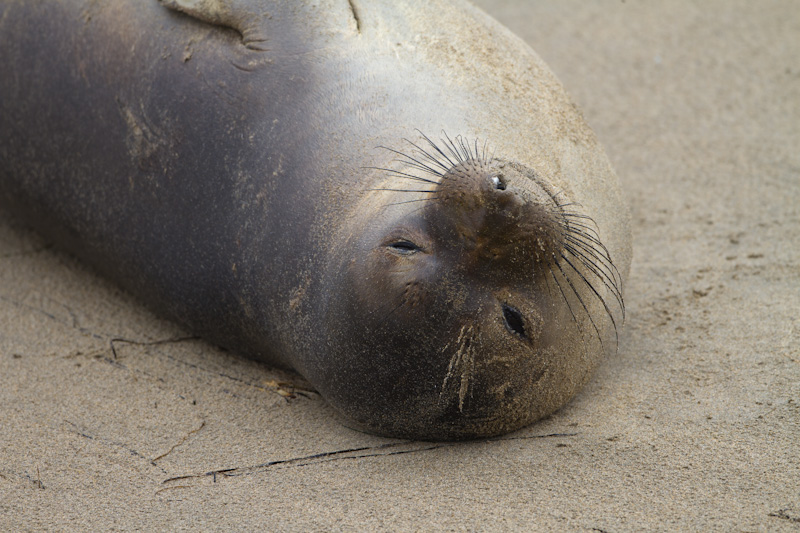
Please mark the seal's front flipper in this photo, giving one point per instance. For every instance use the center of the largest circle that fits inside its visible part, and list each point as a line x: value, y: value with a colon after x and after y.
x: 239, y: 15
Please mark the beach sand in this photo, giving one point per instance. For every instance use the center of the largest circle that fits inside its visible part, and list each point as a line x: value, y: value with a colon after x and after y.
x: 112, y: 418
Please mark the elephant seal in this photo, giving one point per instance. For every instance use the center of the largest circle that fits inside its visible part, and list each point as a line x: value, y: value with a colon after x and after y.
x: 396, y: 199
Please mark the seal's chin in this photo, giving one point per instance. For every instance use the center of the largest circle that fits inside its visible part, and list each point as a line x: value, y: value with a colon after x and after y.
x: 441, y: 358
x: 444, y: 327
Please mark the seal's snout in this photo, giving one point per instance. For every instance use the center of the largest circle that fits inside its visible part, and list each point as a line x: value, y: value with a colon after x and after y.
x: 487, y: 213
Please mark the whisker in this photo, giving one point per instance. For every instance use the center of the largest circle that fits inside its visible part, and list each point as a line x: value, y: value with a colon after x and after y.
x: 578, y: 215
x: 411, y: 201
x: 602, y: 301
x: 569, y: 307
x: 400, y: 190
x: 610, y: 284
x: 403, y: 175
x: 390, y: 313
x: 580, y: 300
x: 432, y: 158
x: 590, y: 260
x: 415, y: 163
x: 465, y: 149
x: 435, y: 147
x: 589, y: 243
x: 602, y: 259
x: 589, y: 231
x: 605, y: 257
x: 451, y: 147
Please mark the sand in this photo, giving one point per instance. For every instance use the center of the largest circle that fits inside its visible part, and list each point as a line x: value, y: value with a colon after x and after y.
x: 112, y: 418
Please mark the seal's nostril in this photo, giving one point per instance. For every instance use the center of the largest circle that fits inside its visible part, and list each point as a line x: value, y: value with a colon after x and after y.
x: 513, y: 319
x: 498, y: 183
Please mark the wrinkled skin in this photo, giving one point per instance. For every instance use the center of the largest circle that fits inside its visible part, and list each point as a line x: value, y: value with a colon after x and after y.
x: 221, y: 160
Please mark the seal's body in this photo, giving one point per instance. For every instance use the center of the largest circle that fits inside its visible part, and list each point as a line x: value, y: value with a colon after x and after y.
x: 242, y: 167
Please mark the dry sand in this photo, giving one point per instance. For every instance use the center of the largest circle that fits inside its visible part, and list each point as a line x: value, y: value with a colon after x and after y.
x: 111, y: 419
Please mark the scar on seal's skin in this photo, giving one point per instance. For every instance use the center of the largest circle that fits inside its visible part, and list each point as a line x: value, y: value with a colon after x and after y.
x: 461, y: 364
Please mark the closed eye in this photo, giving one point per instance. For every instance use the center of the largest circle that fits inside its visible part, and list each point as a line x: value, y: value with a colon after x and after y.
x: 404, y: 247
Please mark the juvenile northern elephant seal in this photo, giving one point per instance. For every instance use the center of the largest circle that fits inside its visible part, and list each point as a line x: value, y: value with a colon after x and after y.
x: 242, y: 167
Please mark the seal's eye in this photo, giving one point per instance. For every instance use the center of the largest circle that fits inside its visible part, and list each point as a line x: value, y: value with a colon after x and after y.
x: 404, y: 247
x: 513, y: 319
x: 498, y: 183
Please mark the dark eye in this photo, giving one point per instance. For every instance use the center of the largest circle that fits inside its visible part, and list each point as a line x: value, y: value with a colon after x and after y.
x: 404, y: 247
x: 513, y: 319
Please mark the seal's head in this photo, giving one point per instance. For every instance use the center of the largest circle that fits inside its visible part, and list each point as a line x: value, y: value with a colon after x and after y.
x: 465, y: 306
